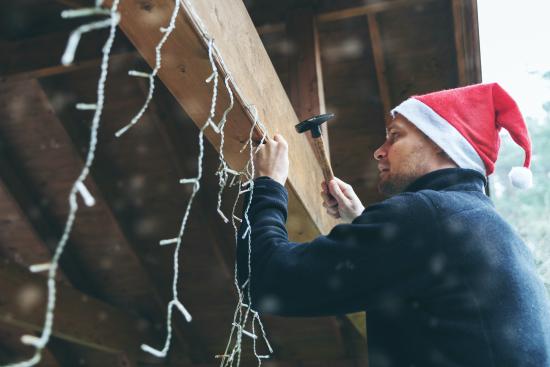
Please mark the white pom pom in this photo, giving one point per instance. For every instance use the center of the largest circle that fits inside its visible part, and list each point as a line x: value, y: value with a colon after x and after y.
x: 521, y: 177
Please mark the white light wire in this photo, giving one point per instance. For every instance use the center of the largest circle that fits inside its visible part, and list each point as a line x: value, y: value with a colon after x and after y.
x: 158, y: 63
x: 196, y: 187
x: 39, y: 343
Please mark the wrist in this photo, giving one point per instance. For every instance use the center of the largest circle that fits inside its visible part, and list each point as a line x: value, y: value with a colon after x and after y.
x: 277, y: 178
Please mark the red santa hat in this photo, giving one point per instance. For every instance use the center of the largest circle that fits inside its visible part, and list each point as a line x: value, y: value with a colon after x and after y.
x: 465, y: 123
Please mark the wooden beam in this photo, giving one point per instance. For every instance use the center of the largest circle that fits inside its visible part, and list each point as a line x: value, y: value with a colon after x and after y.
x: 380, y: 65
x: 382, y: 6
x: 305, y: 71
x: 466, y: 32
x: 307, y: 93
x: 38, y: 227
x: 79, y: 318
x: 41, y: 56
x: 27, y: 236
x: 255, y: 82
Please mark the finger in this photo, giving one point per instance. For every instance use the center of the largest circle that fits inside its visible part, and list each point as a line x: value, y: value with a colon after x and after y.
x: 328, y: 199
x: 347, y: 189
x: 280, y: 139
x: 259, y: 150
x: 324, y: 186
x: 329, y: 205
x: 344, y: 186
x: 337, y: 193
x: 332, y: 211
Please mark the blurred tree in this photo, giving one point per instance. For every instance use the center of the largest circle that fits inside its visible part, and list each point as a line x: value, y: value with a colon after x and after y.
x: 528, y: 210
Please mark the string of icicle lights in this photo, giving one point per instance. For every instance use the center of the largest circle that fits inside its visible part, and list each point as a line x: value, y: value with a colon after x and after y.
x: 78, y: 187
x: 243, y: 314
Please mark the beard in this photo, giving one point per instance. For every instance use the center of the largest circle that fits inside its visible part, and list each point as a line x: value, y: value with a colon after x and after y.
x: 394, y: 183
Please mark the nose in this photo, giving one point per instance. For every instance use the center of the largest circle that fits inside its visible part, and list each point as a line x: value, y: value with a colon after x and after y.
x: 380, y: 153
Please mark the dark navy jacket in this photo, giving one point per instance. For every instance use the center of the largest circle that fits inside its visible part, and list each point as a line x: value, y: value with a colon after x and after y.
x: 445, y: 281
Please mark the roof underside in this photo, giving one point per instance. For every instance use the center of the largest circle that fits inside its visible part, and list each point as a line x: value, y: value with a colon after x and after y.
x: 113, y: 256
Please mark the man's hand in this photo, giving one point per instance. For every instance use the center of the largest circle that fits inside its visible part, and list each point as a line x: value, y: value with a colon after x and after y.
x: 272, y: 159
x: 341, y: 201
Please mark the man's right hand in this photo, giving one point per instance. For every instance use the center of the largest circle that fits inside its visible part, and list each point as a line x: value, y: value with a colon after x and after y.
x: 341, y: 201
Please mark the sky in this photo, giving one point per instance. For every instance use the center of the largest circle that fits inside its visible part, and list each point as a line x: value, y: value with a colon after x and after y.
x: 515, y: 49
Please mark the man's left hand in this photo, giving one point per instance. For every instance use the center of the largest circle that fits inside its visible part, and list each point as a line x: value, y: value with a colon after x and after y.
x: 272, y: 159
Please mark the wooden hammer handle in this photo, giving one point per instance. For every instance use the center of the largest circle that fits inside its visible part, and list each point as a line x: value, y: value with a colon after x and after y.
x: 323, y: 159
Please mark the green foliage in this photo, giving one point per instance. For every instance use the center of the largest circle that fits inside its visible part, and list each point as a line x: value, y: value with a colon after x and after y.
x: 528, y: 210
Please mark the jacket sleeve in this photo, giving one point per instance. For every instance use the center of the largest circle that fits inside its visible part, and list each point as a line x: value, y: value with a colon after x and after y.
x: 383, y: 256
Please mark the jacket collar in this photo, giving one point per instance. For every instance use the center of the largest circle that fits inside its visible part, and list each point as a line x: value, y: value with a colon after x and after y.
x: 450, y: 179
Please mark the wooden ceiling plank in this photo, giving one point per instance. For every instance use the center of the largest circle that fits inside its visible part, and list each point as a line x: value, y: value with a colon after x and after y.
x: 41, y: 56
x: 379, y: 7
x: 79, y: 318
x: 380, y: 65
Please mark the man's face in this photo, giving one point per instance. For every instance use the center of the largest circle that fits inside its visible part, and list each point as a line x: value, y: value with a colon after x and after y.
x: 406, y: 155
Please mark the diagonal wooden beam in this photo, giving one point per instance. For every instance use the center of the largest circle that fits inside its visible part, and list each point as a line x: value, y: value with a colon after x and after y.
x: 79, y: 318
x: 255, y: 82
x: 40, y: 229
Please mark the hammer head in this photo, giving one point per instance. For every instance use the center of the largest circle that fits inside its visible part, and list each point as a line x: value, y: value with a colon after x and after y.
x: 313, y: 124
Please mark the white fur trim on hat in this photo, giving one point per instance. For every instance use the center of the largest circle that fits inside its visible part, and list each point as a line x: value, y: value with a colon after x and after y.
x: 441, y: 133
x: 521, y: 177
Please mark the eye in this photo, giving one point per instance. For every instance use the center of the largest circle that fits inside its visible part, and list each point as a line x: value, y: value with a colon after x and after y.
x: 392, y: 136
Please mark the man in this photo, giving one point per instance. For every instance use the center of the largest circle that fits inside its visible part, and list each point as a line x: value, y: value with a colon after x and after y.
x: 444, y: 279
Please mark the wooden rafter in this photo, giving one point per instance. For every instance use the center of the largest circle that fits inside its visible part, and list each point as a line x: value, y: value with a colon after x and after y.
x: 362, y: 10
x: 306, y: 76
x: 466, y: 33
x: 380, y: 64
x: 15, y: 188
x: 113, y: 331
x: 41, y: 56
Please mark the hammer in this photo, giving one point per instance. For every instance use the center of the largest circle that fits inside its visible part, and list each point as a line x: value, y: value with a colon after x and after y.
x: 313, y: 124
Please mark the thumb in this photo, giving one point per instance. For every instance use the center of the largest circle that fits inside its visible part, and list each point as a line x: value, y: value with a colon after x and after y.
x: 337, y: 193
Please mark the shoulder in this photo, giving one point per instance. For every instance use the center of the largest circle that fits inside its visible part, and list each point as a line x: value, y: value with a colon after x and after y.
x: 407, y: 207
x: 445, y: 204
